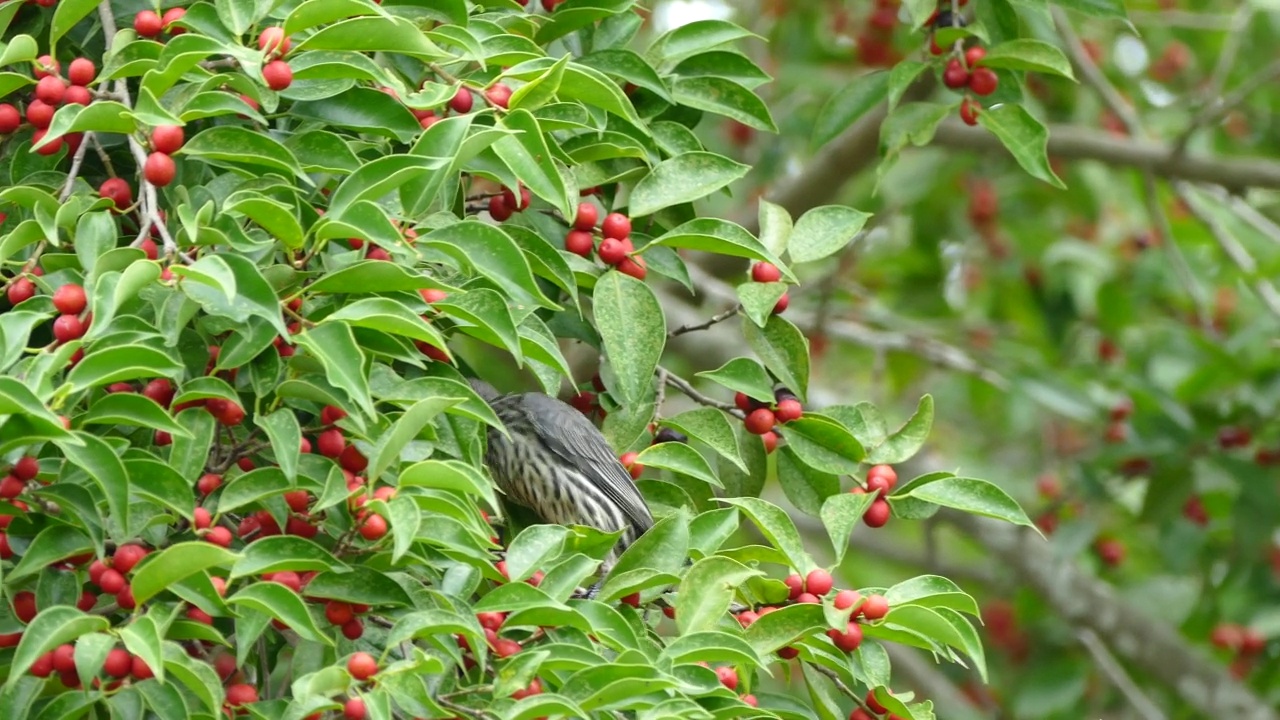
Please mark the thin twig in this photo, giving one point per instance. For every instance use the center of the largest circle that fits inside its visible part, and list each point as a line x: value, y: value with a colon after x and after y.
x: 687, y: 388
x: 1095, y: 78
x: 718, y: 318
x: 1234, y: 250
x: 835, y: 679
x: 1216, y: 107
x: 1110, y: 667
x: 102, y: 153
x: 1212, y: 91
x: 76, y: 161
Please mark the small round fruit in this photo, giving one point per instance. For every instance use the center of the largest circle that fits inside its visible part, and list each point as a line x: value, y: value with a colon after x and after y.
x: 462, y: 101
x: 68, y: 327
x: 70, y: 299
x: 362, y: 666
x: 586, y: 218
x: 159, y: 169
x: 885, y: 472
x: 983, y: 81
x: 118, y: 663
x: 111, y: 581
x: 45, y: 66
x: 955, y: 76
x: 846, y: 599
x: 219, y: 536
x: 167, y: 139
x: 499, y: 210
x: 81, y: 71
x: 974, y: 55
x: 818, y: 582
x: 765, y: 272
x: 579, y: 242
x: 498, y: 95
x: 612, y: 251
x: 27, y: 468
x: 374, y: 527
x: 788, y: 410
x: 795, y: 586
x: 10, y: 119
x: 969, y: 111
x: 760, y: 421
x: 783, y: 303
x: 51, y: 90
x: 241, y: 694
x: 118, y: 191
x: 633, y: 266
x: 875, y: 607
x: 728, y: 677
x: 171, y: 16
x: 273, y: 41
x: 21, y: 290
x: 354, y: 709
x: 353, y: 629
x: 202, y: 519
x: 39, y: 113
x: 850, y: 639
x: 127, y: 557
x: 770, y: 440
x: 616, y: 226
x: 147, y: 23
x: 331, y: 443
x: 278, y: 75
x: 878, y: 514
x: 628, y: 461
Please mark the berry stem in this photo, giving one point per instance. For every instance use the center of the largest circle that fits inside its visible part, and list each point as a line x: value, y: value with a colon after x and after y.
x: 719, y: 318
x: 686, y: 387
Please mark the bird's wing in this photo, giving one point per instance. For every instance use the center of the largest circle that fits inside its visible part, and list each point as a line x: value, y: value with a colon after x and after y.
x: 574, y: 438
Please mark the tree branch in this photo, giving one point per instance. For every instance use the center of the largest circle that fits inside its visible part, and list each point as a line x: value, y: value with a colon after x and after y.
x: 1087, y: 602
x: 1234, y: 250
x: 1111, y: 668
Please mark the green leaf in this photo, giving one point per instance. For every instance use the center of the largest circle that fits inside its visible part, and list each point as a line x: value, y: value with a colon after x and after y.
x: 782, y: 627
x: 693, y: 38
x: 1025, y: 138
x: 1097, y: 8
x: 683, y: 179
x: 908, y: 440
x: 901, y: 77
x: 385, y: 33
x: 784, y: 350
x: 678, y: 458
x: 724, y: 97
x: 52, y: 544
x: 449, y: 475
x: 381, y: 177
x: 931, y: 591
x: 759, y: 299
x: 197, y: 675
x: 707, y: 590
x: 633, y: 330
x: 131, y: 409
x: 717, y: 236
x: 663, y: 548
x: 824, y: 231
x: 371, y: 276
x: 175, y: 563
x: 743, y: 375
x: 285, y: 552
x: 540, y: 90
x: 97, y: 459
x: 534, y: 548
x: 775, y: 227
x: 525, y: 152
x: 142, y: 638
x: 824, y: 444
x: 232, y: 144
x: 334, y: 345
x: 190, y: 450
x: 804, y: 486
x: 777, y: 528
x: 493, y: 254
x: 251, y: 487
x: 849, y: 104
x: 404, y: 430
x: 285, y: 435
x: 971, y: 495
x: 840, y: 514
x: 50, y: 628
x: 276, y: 217
x: 232, y: 286
x: 67, y: 15
x: 710, y: 427
x: 122, y: 363
x: 282, y: 604
x: 389, y: 316
x: 1025, y: 54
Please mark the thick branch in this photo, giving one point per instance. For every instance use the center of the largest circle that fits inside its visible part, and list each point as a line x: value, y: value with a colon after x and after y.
x: 1089, y: 603
x: 1076, y: 143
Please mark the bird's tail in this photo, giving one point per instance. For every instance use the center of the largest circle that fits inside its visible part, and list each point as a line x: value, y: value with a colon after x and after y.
x: 486, y: 391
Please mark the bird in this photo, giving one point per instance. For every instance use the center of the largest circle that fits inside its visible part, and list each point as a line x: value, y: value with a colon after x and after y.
x: 559, y: 467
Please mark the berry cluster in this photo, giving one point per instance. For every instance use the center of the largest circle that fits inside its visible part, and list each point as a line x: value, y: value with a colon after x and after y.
x: 615, y: 250
x: 52, y: 90
x: 880, y: 481
x: 1245, y: 644
x: 503, y: 205
x: 766, y: 272
x: 761, y: 418
x: 875, y: 41
x: 964, y: 70
x: 814, y: 588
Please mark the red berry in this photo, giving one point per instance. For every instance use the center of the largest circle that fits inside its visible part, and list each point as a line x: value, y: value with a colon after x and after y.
x: 362, y: 666
x: 64, y: 658
x: 10, y: 119
x: 374, y: 527
x: 818, y: 582
x: 983, y: 81
x: 208, y: 483
x: 885, y: 472
x: 751, y: 699
x: 462, y: 101
x: 578, y: 242
x: 70, y: 299
x: 338, y: 613
x: 770, y: 442
x: 354, y: 709
x: 616, y: 226
x: 167, y: 139
x: 586, y: 218
x: 27, y: 468
x: 202, y: 519
x: 850, y: 639
x: 241, y: 694
x: 278, y: 75
x: 955, y: 76
x: 39, y: 114
x: 118, y: 191
x: 612, y: 251
x: 728, y: 677
x: 533, y: 688
x: 68, y: 327
x: 118, y: 663
x: 499, y: 210
x: 633, y: 266
x: 352, y: 459
x: 628, y: 461
x: 846, y: 599
x: 765, y: 272
x: 273, y: 41
x: 51, y: 90
x: 159, y: 169
x: 140, y: 669
x: 788, y: 410
x: 219, y: 536
x: 782, y: 304
x: 788, y: 653
x: 875, y: 607
x: 111, y: 581
x: 147, y: 23
x: 498, y: 95
x: 331, y: 443
x: 795, y: 586
x: 875, y: 704
x: 760, y: 421
x: 21, y: 290
x: 969, y: 111
x: 127, y: 557
x: 45, y: 66
x: 353, y: 629
x: 974, y: 55
x: 43, y: 666
x: 878, y: 514
x: 77, y: 95
x: 24, y: 606
x: 81, y: 71
x: 808, y: 598
x: 171, y: 16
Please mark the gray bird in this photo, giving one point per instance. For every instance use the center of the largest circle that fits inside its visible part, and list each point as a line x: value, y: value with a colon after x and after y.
x: 558, y: 466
